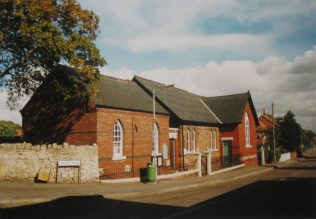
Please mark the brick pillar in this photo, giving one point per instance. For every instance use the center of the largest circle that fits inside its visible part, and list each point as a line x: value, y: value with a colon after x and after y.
x: 209, y: 163
x: 199, y: 164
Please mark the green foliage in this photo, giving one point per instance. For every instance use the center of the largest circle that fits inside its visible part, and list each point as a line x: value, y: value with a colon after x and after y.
x: 36, y: 36
x: 308, y: 138
x: 288, y: 136
x: 289, y: 132
x: 8, y: 129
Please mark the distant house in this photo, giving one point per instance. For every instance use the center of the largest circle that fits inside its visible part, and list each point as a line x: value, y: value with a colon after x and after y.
x: 239, y: 120
x: 193, y: 127
x: 265, y: 126
x: 119, y: 120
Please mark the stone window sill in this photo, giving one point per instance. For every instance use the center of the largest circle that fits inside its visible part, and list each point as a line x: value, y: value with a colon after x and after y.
x: 190, y: 152
x: 118, y: 157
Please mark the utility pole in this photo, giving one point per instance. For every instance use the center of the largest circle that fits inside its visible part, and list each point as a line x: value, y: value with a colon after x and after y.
x: 155, y: 150
x: 273, y: 133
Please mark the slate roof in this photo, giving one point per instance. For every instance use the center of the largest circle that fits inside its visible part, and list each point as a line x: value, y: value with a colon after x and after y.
x: 124, y: 94
x: 229, y: 109
x: 185, y: 105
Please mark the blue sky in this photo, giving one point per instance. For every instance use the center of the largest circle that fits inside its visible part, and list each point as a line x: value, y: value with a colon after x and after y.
x: 141, y: 35
x: 215, y: 47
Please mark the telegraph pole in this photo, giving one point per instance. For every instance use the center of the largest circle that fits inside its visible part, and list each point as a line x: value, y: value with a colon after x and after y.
x: 273, y: 133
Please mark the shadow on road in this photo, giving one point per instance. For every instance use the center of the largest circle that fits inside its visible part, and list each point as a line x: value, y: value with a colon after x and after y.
x: 289, y: 198
x: 89, y: 207
x: 309, y: 157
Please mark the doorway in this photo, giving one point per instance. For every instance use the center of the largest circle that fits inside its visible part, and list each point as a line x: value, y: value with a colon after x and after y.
x: 227, y: 153
x: 172, y: 143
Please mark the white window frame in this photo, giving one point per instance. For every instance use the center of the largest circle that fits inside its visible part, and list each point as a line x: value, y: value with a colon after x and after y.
x: 188, y: 140
x: 193, y: 140
x: 156, y: 139
x: 247, y: 131
x: 211, y: 138
x: 215, y: 140
x: 118, y: 137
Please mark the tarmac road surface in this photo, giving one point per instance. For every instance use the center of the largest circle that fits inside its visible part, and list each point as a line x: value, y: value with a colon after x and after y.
x: 286, y: 192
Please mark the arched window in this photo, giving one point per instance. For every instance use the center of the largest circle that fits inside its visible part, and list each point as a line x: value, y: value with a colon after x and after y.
x: 188, y: 140
x: 215, y: 140
x: 193, y: 140
x: 117, y: 140
x: 156, y: 139
x: 247, y: 130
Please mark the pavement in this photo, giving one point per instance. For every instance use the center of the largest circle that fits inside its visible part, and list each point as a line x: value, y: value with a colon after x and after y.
x: 13, y: 194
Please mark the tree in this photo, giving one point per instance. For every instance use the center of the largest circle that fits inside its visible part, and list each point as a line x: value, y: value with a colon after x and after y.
x: 8, y: 129
x: 308, y: 138
x: 289, y: 132
x: 36, y: 36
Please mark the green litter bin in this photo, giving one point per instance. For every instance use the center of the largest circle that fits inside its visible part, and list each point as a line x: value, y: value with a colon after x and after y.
x: 151, y: 172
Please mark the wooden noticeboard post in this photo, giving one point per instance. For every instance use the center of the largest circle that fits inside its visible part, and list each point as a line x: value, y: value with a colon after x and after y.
x: 69, y: 163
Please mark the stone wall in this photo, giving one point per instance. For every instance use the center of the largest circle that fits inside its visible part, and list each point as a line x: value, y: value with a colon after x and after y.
x: 23, y: 161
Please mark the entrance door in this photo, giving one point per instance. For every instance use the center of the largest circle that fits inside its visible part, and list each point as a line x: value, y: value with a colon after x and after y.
x: 227, y: 153
x: 172, y: 150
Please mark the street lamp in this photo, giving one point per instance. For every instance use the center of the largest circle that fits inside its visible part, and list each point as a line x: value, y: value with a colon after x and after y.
x: 154, y: 118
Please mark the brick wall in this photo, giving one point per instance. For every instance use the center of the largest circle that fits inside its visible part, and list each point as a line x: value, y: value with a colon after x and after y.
x: 137, y: 140
x: 49, y: 117
x: 202, y: 143
x: 84, y: 131
x: 236, y: 132
x: 249, y: 154
x: 23, y: 162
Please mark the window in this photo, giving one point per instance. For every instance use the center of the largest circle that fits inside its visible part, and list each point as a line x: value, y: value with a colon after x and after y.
x: 247, y: 130
x: 156, y: 139
x: 118, y: 141
x: 193, y: 140
x: 188, y: 140
x: 215, y: 140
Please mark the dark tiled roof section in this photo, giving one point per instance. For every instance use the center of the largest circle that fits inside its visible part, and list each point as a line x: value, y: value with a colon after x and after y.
x: 124, y: 94
x: 187, y: 106
x: 229, y: 109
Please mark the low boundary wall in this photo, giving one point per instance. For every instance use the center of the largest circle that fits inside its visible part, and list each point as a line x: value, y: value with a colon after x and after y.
x: 23, y: 161
x: 159, y: 177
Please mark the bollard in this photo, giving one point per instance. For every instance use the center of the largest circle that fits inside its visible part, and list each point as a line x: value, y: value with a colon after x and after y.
x: 262, y: 156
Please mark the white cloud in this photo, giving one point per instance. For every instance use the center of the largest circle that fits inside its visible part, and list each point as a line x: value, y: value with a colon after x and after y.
x: 254, y: 11
x: 305, y: 64
x: 273, y: 79
x: 158, y: 40
x: 211, y: 79
x: 5, y: 113
x: 123, y: 73
x: 290, y: 84
x: 147, y: 26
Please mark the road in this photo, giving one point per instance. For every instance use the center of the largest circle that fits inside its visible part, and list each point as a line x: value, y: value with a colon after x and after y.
x: 287, y: 192
x: 284, y: 192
